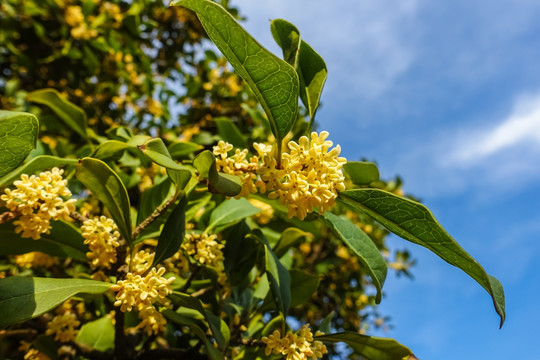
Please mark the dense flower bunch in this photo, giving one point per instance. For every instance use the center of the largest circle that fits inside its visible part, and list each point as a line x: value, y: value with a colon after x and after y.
x: 63, y: 327
x: 205, y: 249
x: 101, y: 234
x: 295, y: 346
x: 141, y: 293
x: 309, y: 177
x: 38, y: 200
x: 35, y: 259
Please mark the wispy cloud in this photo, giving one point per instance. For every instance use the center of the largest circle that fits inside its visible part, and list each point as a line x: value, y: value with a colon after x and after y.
x: 520, y: 129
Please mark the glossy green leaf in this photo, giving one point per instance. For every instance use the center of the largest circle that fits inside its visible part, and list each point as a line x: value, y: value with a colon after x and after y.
x: 106, y: 185
x: 361, y: 172
x: 153, y: 197
x: 219, y: 329
x: 287, y: 37
x: 370, y: 347
x: 18, y: 137
x: 98, y: 334
x: 24, y: 298
x: 218, y: 183
x: 240, y: 252
x: 309, y: 65
x: 362, y: 245
x: 414, y: 222
x: 36, y: 164
x: 278, y: 276
x: 183, y: 149
x: 72, y: 115
x: 325, y: 325
x: 229, y: 212
x: 173, y: 232
x: 303, y: 285
x: 272, y: 80
x: 110, y: 150
x: 63, y: 241
x: 229, y: 132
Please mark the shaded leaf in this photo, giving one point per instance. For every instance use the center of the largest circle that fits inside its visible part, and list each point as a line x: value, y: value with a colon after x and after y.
x: 229, y: 212
x: 229, y: 132
x: 24, y: 298
x: 106, y: 185
x: 98, y: 334
x: 173, y: 233
x: 110, y: 150
x: 182, y: 149
x: 370, y: 347
x: 18, y: 137
x: 220, y: 183
x: 414, y: 222
x: 72, y: 115
x: 287, y: 37
x: 289, y: 237
x: 303, y: 285
x: 272, y: 80
x: 362, y: 245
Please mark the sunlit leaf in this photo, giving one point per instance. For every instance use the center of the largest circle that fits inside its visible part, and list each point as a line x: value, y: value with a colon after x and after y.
x: 97, y: 334
x: 36, y: 164
x: 18, y: 137
x: 361, y: 172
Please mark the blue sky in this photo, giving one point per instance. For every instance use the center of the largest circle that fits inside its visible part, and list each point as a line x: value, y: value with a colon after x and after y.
x: 447, y: 95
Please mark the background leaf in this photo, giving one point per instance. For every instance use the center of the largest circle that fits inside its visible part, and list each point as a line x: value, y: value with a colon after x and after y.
x: 414, y: 222
x: 72, y: 115
x: 362, y: 245
x: 18, y: 137
x: 372, y: 348
x: 24, y: 298
x: 287, y: 37
x: 229, y: 212
x: 272, y: 80
x: 303, y: 285
x: 173, y: 233
x: 361, y: 172
x: 105, y: 184
x: 229, y: 132
x: 36, y: 164
x: 98, y: 334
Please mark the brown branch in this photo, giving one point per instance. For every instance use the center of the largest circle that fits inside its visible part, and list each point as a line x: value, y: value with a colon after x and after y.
x: 18, y: 333
x: 78, y: 216
x: 150, y: 219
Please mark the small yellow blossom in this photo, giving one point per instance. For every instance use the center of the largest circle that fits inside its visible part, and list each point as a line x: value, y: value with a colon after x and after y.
x: 101, y: 234
x: 141, y: 293
x: 265, y: 215
x: 204, y: 248
x: 39, y: 199
x: 35, y: 259
x: 237, y: 164
x: 295, y: 346
x: 141, y: 261
x: 63, y: 327
x: 31, y: 353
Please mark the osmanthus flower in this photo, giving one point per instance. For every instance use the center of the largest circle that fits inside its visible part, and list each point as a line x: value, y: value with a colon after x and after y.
x: 36, y: 259
x: 102, y: 236
x: 237, y: 164
x: 295, y: 346
x: 30, y: 353
x: 141, y: 293
x: 38, y: 200
x: 206, y: 250
x: 63, y: 327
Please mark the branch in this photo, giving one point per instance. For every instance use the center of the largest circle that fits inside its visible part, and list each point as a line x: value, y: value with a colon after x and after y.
x: 150, y: 219
x: 78, y: 216
x: 7, y: 216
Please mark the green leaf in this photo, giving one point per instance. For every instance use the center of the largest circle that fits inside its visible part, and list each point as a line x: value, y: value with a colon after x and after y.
x: 36, y: 164
x: 309, y: 65
x: 287, y: 37
x: 361, y: 172
x: 229, y: 212
x: 106, y: 185
x: 370, y: 347
x: 229, y: 132
x: 24, y: 298
x: 219, y: 329
x: 278, y: 276
x: 173, y: 232
x: 183, y: 149
x: 98, y: 334
x: 152, y: 198
x: 110, y: 150
x: 362, y: 245
x: 303, y: 285
x: 325, y: 325
x: 414, y: 222
x: 220, y: 183
x: 289, y: 237
x: 63, y: 241
x: 71, y: 114
x: 272, y: 80
x: 240, y: 252
x: 18, y: 137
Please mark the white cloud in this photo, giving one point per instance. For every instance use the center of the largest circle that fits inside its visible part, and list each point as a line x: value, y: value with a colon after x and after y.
x: 520, y: 128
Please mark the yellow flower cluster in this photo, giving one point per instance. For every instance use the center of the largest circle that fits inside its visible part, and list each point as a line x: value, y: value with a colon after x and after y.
x: 31, y: 353
x: 63, y: 327
x: 35, y: 259
x: 141, y: 261
x: 237, y: 164
x: 75, y: 18
x: 206, y: 250
x: 38, y: 200
x: 141, y: 293
x: 295, y: 346
x: 101, y: 234
x: 309, y: 178
x: 265, y: 215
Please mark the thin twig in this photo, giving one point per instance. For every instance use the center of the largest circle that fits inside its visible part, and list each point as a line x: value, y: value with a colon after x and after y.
x: 150, y: 219
x: 78, y: 216
x: 7, y: 216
